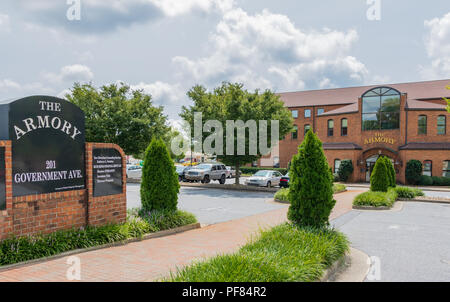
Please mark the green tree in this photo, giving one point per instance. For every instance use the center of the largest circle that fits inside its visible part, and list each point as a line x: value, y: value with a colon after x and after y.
x: 117, y: 114
x: 391, y: 172
x: 379, y: 179
x: 311, y: 184
x: 159, y: 186
x: 231, y: 102
x: 345, y: 170
x: 413, y: 171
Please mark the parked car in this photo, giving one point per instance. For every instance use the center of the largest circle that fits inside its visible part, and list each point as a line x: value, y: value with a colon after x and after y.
x: 231, y: 172
x: 134, y: 171
x: 207, y: 172
x: 284, y: 181
x: 264, y: 178
x: 182, y: 170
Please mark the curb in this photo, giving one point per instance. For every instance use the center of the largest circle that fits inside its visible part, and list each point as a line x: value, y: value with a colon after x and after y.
x: 354, y: 269
x: 104, y: 246
x: 422, y: 199
x: 397, y: 206
x: 330, y: 274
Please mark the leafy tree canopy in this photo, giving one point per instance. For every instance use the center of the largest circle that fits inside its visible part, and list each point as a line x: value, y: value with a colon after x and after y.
x: 117, y: 114
x: 231, y: 102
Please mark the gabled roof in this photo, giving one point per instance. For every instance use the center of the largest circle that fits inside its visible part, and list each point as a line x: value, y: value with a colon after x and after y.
x: 341, y: 96
x: 346, y: 109
x: 414, y: 104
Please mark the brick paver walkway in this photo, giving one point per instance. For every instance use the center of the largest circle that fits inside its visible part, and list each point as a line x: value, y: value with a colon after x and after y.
x: 151, y: 259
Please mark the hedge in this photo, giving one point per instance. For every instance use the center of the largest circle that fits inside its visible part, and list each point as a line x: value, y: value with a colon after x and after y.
x: 425, y: 180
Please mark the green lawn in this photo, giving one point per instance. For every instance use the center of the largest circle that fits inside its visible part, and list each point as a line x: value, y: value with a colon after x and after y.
x: 284, y: 253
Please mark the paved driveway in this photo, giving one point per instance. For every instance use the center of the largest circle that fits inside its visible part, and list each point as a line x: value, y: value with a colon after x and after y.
x: 412, y: 244
x: 213, y: 205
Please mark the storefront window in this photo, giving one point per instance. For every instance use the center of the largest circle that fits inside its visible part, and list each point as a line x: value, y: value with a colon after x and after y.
x: 337, y: 164
x: 381, y: 109
x: 446, y: 168
x: 441, y: 124
x: 307, y: 113
x: 307, y: 128
x: 344, y: 125
x: 427, y: 168
x: 422, y: 124
x: 295, y: 133
x: 330, y: 127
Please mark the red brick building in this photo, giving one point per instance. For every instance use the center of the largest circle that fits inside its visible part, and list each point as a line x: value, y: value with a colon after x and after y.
x: 401, y: 121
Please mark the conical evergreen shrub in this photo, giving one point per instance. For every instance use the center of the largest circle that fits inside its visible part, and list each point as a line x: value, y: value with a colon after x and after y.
x: 391, y: 172
x: 311, y: 185
x: 379, y: 180
x: 159, y: 185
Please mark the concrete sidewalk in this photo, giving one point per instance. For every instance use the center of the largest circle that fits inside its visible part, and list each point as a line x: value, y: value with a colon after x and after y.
x: 152, y: 259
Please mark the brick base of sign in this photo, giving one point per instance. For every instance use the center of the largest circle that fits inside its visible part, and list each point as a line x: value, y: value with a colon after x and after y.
x: 47, y: 213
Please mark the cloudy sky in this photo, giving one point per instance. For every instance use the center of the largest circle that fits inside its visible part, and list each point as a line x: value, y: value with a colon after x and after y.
x: 166, y: 46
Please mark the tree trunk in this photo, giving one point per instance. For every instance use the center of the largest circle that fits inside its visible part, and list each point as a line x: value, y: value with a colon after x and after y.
x: 238, y: 175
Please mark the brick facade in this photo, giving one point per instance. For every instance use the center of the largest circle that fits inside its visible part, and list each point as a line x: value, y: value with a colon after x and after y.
x: 373, y: 142
x: 46, y: 213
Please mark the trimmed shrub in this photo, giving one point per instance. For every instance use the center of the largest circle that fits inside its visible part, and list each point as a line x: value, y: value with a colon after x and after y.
x: 310, y: 185
x: 410, y: 193
x: 425, y: 180
x: 413, y: 171
x: 376, y: 199
x: 379, y: 180
x: 441, y: 181
x: 345, y: 170
x: 159, y: 185
x: 391, y: 172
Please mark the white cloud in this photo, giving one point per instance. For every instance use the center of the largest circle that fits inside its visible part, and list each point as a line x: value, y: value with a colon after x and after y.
x: 98, y: 16
x: 4, y: 23
x: 7, y: 84
x: 437, y: 44
x: 71, y: 73
x: 11, y: 87
x: 162, y: 93
x: 267, y: 50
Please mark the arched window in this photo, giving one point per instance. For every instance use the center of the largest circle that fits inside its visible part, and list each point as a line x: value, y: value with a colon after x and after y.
x: 295, y: 132
x: 307, y: 128
x: 422, y: 124
x: 330, y: 127
x: 344, y: 124
x: 446, y: 168
x: 441, y: 124
x: 337, y: 164
x: 427, y: 168
x: 381, y: 109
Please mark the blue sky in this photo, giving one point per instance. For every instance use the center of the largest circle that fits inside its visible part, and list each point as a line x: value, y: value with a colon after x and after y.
x: 166, y: 46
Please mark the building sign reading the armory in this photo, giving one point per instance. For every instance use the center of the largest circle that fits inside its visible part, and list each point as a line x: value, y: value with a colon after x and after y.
x: 48, y: 142
x: 2, y: 180
x: 379, y: 138
x: 107, y: 172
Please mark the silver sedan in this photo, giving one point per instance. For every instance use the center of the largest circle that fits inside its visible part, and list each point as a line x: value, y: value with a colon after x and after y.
x: 264, y: 178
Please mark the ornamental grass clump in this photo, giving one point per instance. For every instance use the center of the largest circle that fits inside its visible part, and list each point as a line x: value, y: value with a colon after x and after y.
x: 159, y: 186
x: 379, y: 180
x: 311, y: 185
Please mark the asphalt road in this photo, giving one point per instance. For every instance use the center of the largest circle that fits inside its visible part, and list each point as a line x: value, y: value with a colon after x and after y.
x: 212, y: 205
x: 408, y: 245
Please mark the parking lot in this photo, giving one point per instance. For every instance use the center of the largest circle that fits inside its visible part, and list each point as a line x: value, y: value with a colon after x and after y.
x: 213, y: 205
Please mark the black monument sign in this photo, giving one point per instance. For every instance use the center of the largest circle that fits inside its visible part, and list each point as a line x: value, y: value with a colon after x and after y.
x: 48, y: 142
x: 2, y: 180
x: 107, y: 172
